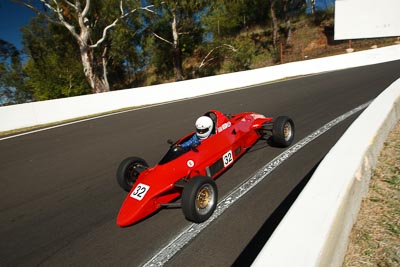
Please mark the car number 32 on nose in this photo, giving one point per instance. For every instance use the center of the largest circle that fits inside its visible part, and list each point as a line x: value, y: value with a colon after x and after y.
x: 140, y: 191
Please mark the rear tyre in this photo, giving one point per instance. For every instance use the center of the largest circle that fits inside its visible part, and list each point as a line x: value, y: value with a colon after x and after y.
x: 129, y: 170
x: 283, y: 132
x: 199, y: 199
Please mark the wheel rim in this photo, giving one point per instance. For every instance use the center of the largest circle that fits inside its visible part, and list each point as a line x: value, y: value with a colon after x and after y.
x: 287, y: 131
x: 205, y: 199
x: 132, y: 173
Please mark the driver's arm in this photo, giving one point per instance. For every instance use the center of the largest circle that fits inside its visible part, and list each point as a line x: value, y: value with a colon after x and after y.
x: 194, y: 140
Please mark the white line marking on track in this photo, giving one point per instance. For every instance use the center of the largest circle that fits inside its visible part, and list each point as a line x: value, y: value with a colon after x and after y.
x: 94, y: 117
x: 190, y: 232
x: 67, y: 123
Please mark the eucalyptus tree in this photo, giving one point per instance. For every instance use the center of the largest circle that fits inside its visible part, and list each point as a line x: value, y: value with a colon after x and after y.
x: 89, y: 22
x: 177, y: 25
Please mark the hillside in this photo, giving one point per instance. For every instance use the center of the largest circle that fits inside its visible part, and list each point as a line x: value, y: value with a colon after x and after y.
x: 310, y: 37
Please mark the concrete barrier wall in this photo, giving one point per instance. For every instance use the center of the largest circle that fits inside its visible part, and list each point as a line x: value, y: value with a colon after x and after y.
x: 44, y: 112
x: 316, y: 228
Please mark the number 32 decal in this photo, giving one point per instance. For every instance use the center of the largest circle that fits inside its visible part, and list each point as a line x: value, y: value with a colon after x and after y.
x: 140, y: 191
x: 227, y: 158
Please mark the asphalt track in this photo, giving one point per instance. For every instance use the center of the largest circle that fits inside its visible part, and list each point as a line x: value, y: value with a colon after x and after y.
x: 59, y: 198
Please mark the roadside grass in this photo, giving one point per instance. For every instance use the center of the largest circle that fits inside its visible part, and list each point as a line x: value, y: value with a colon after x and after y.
x: 375, y: 238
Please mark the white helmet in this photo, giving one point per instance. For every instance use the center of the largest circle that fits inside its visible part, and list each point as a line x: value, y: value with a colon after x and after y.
x: 204, y: 126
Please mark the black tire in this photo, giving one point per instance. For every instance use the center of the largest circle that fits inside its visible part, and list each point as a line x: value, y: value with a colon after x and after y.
x: 129, y: 170
x: 283, y: 132
x: 199, y: 199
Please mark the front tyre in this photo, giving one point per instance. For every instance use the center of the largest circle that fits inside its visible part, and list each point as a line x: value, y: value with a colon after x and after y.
x: 129, y: 170
x: 283, y: 132
x: 199, y: 199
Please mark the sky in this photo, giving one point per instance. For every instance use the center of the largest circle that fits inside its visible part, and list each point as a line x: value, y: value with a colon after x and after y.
x: 13, y: 16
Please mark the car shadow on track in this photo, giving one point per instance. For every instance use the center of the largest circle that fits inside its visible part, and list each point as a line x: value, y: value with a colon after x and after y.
x: 264, y: 143
x: 254, y: 247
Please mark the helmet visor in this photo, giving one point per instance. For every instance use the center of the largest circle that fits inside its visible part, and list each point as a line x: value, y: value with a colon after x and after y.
x: 202, y: 131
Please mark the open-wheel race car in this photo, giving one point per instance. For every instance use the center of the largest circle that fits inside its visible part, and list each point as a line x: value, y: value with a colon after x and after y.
x: 189, y: 172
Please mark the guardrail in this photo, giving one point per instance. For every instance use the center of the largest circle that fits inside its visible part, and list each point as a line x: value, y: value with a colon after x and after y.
x: 316, y: 228
x: 51, y: 111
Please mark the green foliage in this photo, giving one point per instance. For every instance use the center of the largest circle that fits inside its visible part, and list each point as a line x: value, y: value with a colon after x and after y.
x: 219, y: 20
x: 12, y: 89
x: 161, y: 52
x: 321, y: 16
x: 122, y: 54
x: 126, y: 56
x: 165, y: 57
x: 208, y: 59
x: 211, y: 37
x: 227, y: 18
x: 54, y: 69
x: 55, y: 65
x: 242, y: 58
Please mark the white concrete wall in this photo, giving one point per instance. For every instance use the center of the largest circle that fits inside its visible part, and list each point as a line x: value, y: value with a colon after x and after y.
x: 316, y: 228
x: 44, y: 112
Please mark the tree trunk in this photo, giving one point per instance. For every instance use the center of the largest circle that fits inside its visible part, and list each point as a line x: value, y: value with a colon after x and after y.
x: 98, y: 83
x: 312, y: 6
x: 95, y: 71
x: 176, y: 53
x: 105, y: 73
x: 289, y: 32
x: 274, y: 23
x: 287, y: 21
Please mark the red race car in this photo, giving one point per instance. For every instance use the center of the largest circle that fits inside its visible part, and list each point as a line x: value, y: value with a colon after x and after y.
x: 189, y: 173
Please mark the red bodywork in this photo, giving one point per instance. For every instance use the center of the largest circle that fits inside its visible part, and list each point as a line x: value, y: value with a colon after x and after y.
x: 161, y: 184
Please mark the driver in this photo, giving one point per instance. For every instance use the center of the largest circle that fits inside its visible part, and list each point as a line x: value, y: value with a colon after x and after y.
x: 204, y: 126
